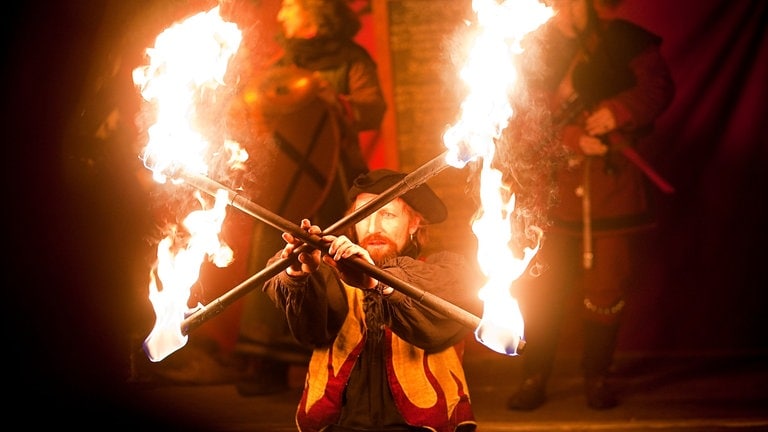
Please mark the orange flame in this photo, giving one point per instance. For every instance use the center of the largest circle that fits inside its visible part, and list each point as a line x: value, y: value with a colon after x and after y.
x: 189, y: 59
x: 490, y: 73
x: 178, y: 269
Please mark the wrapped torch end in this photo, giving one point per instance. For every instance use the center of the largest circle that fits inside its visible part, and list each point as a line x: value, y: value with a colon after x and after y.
x: 499, y: 338
x: 164, y: 341
x: 460, y: 150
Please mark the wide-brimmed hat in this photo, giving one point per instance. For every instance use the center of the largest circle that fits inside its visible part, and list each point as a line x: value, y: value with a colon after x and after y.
x: 421, y: 198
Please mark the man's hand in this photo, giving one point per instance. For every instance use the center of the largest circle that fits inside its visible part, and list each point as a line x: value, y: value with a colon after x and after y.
x: 600, y: 122
x: 341, y: 248
x: 307, y: 261
x: 597, y: 124
x: 592, y: 146
x: 325, y: 90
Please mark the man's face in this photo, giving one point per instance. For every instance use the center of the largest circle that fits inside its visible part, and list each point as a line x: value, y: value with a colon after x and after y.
x: 386, y: 232
x: 296, y: 21
x: 570, y: 16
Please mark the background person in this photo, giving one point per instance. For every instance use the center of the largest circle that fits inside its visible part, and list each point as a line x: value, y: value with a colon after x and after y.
x: 343, y: 98
x: 607, y: 83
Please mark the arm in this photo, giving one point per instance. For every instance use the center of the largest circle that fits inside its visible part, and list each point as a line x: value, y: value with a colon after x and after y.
x: 309, y: 292
x: 365, y: 100
x: 445, y: 275
x: 315, y: 305
x: 630, y: 110
x: 353, y: 87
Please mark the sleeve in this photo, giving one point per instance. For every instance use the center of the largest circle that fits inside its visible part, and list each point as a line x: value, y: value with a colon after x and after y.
x: 638, y: 106
x: 445, y: 275
x: 315, y: 306
x: 365, y: 100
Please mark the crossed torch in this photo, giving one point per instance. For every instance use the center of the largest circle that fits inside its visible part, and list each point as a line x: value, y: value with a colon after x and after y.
x: 411, y: 181
x: 156, y: 345
x: 485, y: 112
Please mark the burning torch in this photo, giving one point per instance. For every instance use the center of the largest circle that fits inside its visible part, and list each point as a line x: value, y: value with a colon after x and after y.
x: 490, y: 74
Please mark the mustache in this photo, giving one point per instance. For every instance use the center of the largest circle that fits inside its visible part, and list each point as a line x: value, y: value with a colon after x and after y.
x: 379, y: 255
x: 376, y: 238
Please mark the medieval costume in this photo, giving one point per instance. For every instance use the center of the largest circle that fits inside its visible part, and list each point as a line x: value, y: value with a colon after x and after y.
x: 603, y: 205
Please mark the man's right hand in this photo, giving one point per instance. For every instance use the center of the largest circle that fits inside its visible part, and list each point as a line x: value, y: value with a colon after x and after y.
x: 307, y: 261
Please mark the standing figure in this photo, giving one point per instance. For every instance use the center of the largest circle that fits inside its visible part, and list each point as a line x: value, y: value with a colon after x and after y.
x: 302, y: 116
x: 607, y: 83
x: 381, y: 360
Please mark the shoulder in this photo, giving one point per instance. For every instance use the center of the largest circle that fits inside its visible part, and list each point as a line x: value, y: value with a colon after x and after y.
x: 357, y: 53
x: 442, y: 259
x: 446, y: 257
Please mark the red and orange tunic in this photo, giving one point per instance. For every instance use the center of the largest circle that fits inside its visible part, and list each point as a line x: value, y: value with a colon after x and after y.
x: 381, y: 362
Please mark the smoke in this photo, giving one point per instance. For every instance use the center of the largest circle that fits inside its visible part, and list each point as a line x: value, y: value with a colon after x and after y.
x: 527, y: 152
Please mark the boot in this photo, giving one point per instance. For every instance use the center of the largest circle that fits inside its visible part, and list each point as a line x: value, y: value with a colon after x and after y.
x: 599, y: 344
x: 263, y: 376
x: 530, y: 395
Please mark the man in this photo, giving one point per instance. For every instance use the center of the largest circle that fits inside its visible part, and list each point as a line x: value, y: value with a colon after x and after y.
x: 381, y: 360
x: 607, y: 83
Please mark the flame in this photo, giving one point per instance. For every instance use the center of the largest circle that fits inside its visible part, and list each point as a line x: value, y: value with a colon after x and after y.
x: 179, y: 268
x: 188, y: 61
x: 501, y: 327
x: 490, y: 74
x: 188, y: 58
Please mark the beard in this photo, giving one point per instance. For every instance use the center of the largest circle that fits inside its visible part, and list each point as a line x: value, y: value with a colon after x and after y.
x: 380, y: 248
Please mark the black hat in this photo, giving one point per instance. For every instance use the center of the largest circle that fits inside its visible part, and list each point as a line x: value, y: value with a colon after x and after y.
x: 421, y: 198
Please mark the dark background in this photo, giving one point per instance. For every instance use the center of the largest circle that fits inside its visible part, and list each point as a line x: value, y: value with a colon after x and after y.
x: 82, y: 231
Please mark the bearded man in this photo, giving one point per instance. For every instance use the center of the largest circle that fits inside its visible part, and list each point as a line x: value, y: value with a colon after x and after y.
x: 381, y: 360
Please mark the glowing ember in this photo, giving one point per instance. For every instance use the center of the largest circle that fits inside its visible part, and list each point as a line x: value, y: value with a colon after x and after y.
x: 189, y: 60
x: 490, y: 74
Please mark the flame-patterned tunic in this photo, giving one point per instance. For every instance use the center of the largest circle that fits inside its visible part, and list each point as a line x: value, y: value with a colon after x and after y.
x: 383, y: 362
